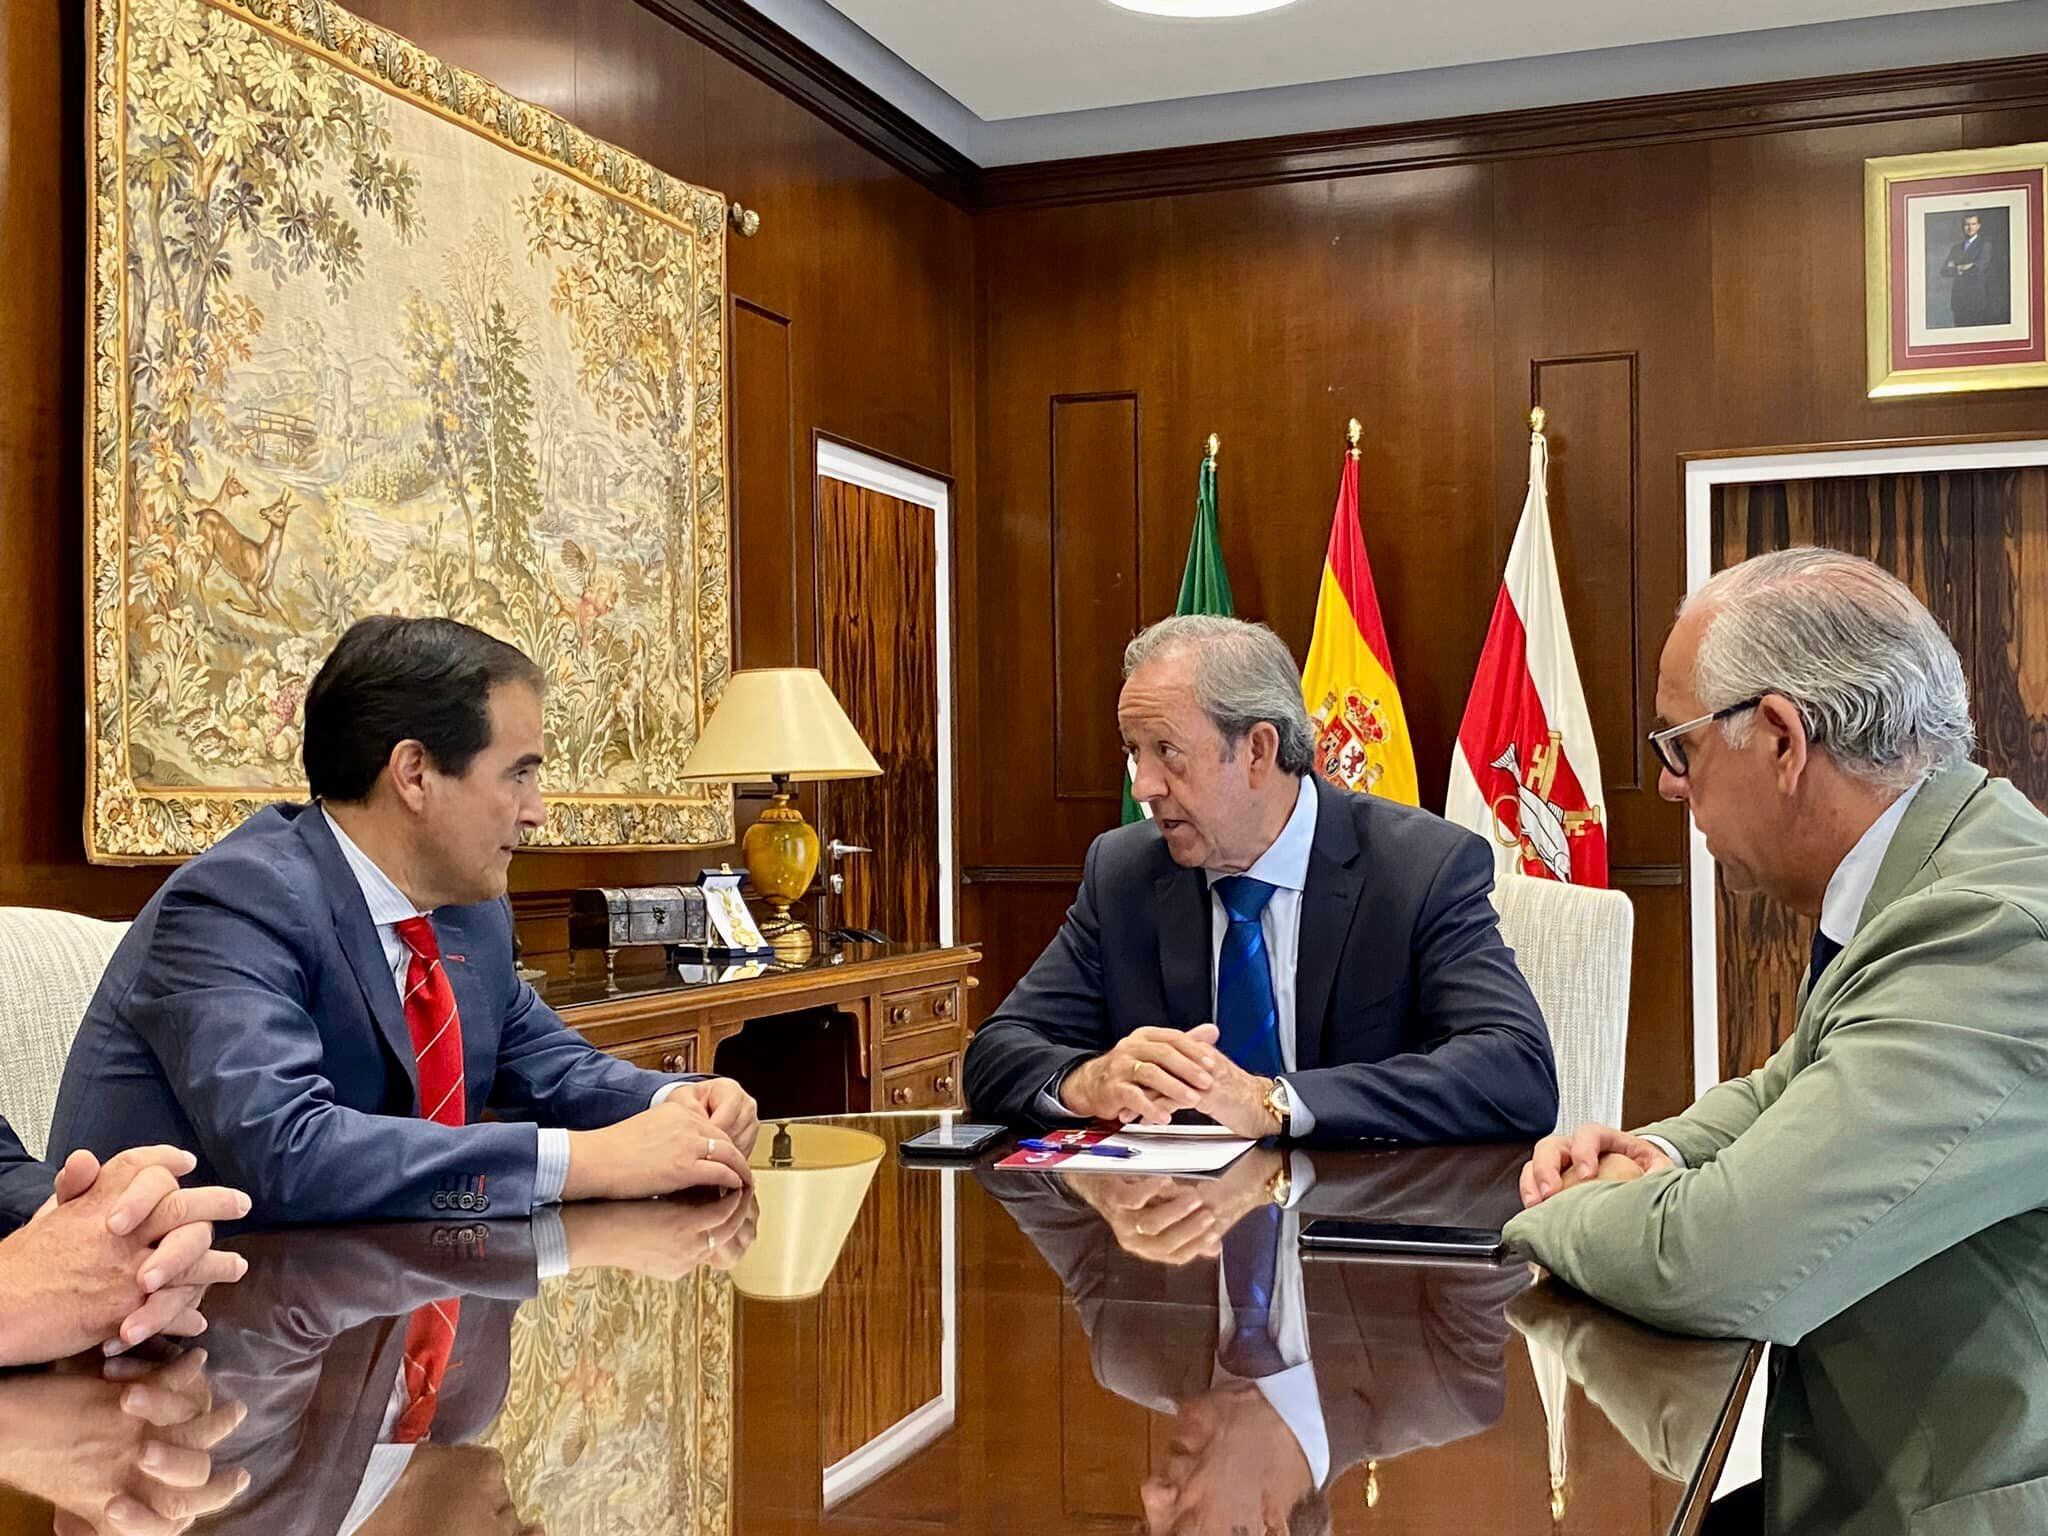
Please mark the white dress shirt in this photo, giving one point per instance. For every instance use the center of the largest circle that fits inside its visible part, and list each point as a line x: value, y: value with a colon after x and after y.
x: 1284, y: 866
x: 1842, y: 903
x: 1291, y: 1392
x: 389, y: 906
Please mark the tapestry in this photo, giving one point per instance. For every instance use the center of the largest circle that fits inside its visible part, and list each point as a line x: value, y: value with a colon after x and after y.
x: 371, y: 336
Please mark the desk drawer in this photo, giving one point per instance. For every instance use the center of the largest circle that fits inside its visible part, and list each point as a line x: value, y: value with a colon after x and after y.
x: 904, y: 1013
x: 676, y: 1054
x: 931, y: 1084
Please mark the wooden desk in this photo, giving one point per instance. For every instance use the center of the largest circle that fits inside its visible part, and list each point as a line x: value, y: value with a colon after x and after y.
x: 905, y: 1004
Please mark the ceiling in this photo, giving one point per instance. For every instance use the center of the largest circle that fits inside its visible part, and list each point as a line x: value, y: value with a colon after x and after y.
x: 1006, y: 59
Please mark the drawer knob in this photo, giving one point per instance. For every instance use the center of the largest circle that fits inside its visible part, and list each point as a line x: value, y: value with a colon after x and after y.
x: 674, y: 1062
x: 899, y: 1096
x: 942, y: 1007
x: 900, y: 1014
x: 943, y: 1084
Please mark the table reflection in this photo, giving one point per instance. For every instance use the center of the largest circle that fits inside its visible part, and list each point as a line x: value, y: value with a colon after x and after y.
x: 881, y: 1345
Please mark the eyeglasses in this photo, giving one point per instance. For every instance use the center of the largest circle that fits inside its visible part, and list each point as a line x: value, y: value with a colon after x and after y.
x: 1670, y: 749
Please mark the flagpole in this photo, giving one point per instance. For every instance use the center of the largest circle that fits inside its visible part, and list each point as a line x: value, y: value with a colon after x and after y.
x: 1537, y: 416
x: 1352, y: 432
x: 1213, y: 447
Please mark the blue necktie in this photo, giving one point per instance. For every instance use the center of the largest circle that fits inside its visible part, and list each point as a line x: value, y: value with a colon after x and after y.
x: 1824, y: 951
x: 1251, y: 1260
x: 1247, y: 1020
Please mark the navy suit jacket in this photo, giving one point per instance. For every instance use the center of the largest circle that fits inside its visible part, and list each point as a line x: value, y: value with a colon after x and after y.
x: 1411, y: 1021
x: 24, y: 1182
x: 249, y: 1017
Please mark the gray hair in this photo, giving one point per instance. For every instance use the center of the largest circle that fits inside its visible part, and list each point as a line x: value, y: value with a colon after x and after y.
x: 1244, y: 673
x: 1877, y: 682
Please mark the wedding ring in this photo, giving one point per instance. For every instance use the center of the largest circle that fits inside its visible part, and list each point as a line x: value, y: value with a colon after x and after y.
x: 711, y: 1146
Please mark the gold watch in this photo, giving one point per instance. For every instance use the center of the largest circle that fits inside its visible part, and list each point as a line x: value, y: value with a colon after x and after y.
x: 1280, y: 1104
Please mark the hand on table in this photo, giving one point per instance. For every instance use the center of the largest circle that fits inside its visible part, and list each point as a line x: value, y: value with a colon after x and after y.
x: 1592, y: 1152
x: 122, y: 1447
x: 119, y: 1254
x: 1145, y: 1077
x: 675, y: 1145
x: 728, y: 1106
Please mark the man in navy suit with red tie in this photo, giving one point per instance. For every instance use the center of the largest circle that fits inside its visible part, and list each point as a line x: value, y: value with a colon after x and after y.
x: 323, y: 1006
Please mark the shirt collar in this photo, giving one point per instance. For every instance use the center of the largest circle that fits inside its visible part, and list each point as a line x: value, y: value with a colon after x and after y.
x: 387, y: 903
x: 1841, y: 907
x: 1284, y: 865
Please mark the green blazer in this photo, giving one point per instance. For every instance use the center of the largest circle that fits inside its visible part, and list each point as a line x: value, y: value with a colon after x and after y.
x: 1883, y: 1177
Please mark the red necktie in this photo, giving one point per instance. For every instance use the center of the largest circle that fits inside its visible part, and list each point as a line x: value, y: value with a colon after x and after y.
x: 435, y: 1026
x: 436, y: 1029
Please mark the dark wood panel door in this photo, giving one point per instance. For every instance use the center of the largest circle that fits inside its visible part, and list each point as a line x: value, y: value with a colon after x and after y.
x: 878, y: 648
x: 1945, y: 536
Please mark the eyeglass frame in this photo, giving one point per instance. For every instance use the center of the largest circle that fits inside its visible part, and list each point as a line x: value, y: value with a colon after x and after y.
x: 1666, y: 745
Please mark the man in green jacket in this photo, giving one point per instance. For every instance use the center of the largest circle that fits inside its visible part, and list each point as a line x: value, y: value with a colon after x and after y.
x: 1892, y: 1157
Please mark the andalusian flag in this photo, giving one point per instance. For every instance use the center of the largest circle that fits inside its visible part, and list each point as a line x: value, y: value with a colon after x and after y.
x: 1204, y: 585
x: 1348, y: 684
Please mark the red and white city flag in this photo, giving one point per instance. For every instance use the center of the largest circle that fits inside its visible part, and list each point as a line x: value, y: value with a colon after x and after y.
x: 1525, y: 776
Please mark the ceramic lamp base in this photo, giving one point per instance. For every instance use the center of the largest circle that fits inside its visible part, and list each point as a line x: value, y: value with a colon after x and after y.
x: 781, y: 854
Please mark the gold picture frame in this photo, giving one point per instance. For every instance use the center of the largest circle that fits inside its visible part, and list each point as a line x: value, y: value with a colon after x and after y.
x: 369, y: 334
x: 1954, y: 270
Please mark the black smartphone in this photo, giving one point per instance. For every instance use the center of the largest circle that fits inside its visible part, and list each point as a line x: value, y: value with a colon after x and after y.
x: 1336, y: 1236
x: 953, y: 1141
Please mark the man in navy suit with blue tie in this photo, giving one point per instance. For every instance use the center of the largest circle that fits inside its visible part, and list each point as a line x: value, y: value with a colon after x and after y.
x: 323, y: 1006
x: 1281, y: 955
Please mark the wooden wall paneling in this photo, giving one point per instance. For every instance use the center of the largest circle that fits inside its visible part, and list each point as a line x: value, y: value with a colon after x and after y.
x: 1012, y: 917
x: 1075, y: 305
x: 880, y: 1322
x: 1094, y: 448
x: 879, y: 651
x: 2009, y: 683
x: 1659, y: 1076
x: 1592, y: 434
x: 1404, y: 340
x: 765, y: 509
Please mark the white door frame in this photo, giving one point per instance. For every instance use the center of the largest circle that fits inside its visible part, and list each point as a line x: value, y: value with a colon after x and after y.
x: 1701, y: 477
x: 836, y: 461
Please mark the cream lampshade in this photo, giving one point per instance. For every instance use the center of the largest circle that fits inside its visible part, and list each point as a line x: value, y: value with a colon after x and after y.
x: 782, y: 724
x: 811, y: 1181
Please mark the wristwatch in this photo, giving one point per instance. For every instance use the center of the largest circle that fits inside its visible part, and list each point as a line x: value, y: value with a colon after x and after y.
x: 1280, y: 1103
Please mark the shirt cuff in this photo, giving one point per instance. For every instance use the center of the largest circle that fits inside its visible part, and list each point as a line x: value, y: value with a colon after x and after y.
x: 1301, y: 1178
x: 663, y: 1092
x: 550, y: 1244
x: 1677, y: 1157
x: 1301, y: 1120
x: 1049, y: 1104
x: 552, y: 1173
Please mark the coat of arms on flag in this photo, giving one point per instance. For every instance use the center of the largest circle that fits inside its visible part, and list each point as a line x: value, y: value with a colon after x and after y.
x: 1348, y: 682
x: 1525, y: 773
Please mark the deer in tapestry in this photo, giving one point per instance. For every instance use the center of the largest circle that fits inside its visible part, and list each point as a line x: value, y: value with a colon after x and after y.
x: 251, y: 562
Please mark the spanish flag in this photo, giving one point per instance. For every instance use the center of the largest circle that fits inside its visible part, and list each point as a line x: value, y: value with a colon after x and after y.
x: 1362, y: 740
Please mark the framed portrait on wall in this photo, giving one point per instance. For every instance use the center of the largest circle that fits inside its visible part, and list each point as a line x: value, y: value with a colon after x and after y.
x: 1954, y: 273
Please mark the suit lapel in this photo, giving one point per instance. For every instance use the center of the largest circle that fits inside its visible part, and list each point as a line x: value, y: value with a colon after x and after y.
x: 1329, y: 900
x: 1186, y: 939
x: 359, y: 942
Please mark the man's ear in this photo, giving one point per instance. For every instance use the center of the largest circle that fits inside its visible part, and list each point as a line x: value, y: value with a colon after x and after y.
x: 407, y: 771
x: 1264, y: 741
x: 1784, y: 731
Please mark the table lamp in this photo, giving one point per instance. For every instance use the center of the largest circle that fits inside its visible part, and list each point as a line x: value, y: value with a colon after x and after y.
x: 784, y: 725
x: 811, y: 1181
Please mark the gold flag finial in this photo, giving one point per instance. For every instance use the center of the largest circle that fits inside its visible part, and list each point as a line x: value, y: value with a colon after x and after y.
x: 1352, y: 431
x: 1213, y: 446
x: 1537, y: 416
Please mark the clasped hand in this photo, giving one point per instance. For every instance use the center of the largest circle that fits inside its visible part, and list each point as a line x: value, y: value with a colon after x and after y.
x: 1592, y: 1152
x: 1151, y: 1073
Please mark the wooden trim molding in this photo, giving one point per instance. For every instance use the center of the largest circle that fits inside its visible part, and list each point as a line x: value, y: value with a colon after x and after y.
x: 740, y: 33
x: 1731, y: 111
x: 1022, y: 874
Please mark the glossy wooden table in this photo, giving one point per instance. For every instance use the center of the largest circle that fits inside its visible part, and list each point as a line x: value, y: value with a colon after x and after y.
x: 984, y: 1352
